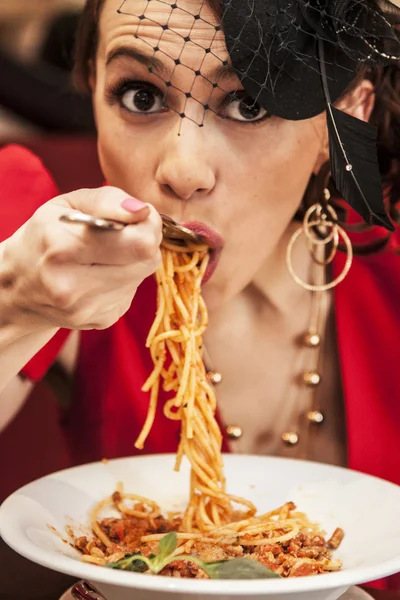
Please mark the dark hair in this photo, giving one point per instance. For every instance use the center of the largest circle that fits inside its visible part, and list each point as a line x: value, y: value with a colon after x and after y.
x: 385, y: 115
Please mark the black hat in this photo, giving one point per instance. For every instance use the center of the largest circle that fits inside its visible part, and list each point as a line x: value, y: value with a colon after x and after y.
x: 297, y: 57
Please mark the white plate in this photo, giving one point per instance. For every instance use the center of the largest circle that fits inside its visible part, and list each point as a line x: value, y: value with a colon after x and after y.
x: 366, y: 507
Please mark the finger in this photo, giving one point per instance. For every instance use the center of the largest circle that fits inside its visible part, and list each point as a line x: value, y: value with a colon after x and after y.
x: 106, y: 203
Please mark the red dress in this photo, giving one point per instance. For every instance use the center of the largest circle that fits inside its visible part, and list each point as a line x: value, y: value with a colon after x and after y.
x: 109, y: 407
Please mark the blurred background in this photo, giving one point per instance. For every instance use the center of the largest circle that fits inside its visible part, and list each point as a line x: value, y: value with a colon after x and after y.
x: 40, y: 109
x: 36, y: 54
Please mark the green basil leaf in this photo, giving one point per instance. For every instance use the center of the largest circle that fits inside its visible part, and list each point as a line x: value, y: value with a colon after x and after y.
x: 167, y: 545
x: 131, y: 562
x: 238, y: 568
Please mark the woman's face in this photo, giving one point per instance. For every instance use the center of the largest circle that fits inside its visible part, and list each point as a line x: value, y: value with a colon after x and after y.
x: 243, y: 175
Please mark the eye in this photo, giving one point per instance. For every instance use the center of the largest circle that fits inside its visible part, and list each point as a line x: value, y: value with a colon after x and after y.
x: 244, y: 109
x: 140, y: 98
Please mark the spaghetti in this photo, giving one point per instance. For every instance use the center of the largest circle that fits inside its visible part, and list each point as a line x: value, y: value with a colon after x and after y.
x: 177, y: 335
x: 212, y: 526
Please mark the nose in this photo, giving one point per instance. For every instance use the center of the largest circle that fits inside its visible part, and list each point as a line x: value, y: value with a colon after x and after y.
x: 186, y: 169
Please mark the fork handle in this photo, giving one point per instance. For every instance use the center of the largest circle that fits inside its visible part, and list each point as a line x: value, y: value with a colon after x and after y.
x: 83, y: 591
x: 96, y: 223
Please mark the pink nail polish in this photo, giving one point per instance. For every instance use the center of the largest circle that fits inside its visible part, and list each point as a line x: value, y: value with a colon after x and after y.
x: 132, y: 205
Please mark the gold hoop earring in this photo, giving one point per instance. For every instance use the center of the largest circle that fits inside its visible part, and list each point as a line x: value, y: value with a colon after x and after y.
x: 317, y: 220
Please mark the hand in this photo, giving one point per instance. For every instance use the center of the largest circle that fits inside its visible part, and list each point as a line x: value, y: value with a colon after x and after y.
x: 55, y: 274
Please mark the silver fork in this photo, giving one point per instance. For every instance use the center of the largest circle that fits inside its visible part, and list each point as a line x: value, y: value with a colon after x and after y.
x: 172, y: 231
x: 83, y: 591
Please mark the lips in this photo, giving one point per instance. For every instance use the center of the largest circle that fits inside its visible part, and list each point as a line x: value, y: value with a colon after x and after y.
x: 213, y: 240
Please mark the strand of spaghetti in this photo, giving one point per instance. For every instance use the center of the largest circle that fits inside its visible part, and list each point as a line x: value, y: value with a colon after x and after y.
x: 247, y: 523
x: 189, y: 266
x: 155, y: 373
x: 157, y: 351
x: 179, y: 457
x: 211, y: 394
x: 94, y: 560
x: 169, y: 309
x: 169, y: 263
x: 272, y: 513
x: 140, y: 514
x: 202, y: 517
x: 185, y: 372
x: 222, y: 502
x: 94, y: 524
x: 210, y: 424
x: 187, y: 522
x: 179, y: 249
x: 203, y: 312
x: 167, y: 335
x: 284, y: 512
x: 201, y: 463
x: 273, y: 526
x: 273, y: 540
x: 202, y: 271
x: 160, y: 312
x: 156, y: 537
x: 174, y: 415
x: 244, y: 502
x: 173, y: 351
x: 178, y: 300
x: 194, y: 309
x: 196, y: 452
x: 207, y: 412
x: 215, y: 515
x: 205, y: 455
x: 208, y: 455
x: 170, y: 384
x: 150, y: 416
x: 228, y: 498
x: 197, y: 469
x: 184, y: 548
x: 190, y: 402
x: 185, y: 293
x: 201, y: 431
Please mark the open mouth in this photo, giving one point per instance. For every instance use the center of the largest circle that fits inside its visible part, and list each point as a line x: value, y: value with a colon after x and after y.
x: 214, y: 241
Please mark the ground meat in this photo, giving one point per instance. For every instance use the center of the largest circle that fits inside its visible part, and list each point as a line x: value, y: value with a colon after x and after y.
x: 116, y: 497
x: 264, y: 555
x: 208, y: 552
x: 128, y: 531
x: 81, y: 543
x: 303, y: 569
x: 305, y: 554
x: 234, y: 551
x: 336, y: 539
x: 181, y: 568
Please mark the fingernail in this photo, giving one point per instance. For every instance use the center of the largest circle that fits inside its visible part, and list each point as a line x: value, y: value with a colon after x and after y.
x: 132, y: 205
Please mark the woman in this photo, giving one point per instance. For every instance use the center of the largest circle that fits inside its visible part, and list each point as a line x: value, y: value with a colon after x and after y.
x: 305, y: 372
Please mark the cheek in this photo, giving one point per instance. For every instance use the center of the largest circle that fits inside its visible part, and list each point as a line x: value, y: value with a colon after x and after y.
x: 267, y: 181
x: 271, y: 174
x: 122, y: 153
x: 116, y: 153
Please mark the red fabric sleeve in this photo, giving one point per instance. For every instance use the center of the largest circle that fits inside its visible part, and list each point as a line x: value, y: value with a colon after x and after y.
x: 25, y: 185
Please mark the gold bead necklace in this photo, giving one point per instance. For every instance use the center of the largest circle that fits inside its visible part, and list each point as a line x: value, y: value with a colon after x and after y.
x: 310, y: 379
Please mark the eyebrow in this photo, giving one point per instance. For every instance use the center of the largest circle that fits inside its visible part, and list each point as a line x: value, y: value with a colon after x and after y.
x: 221, y: 73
